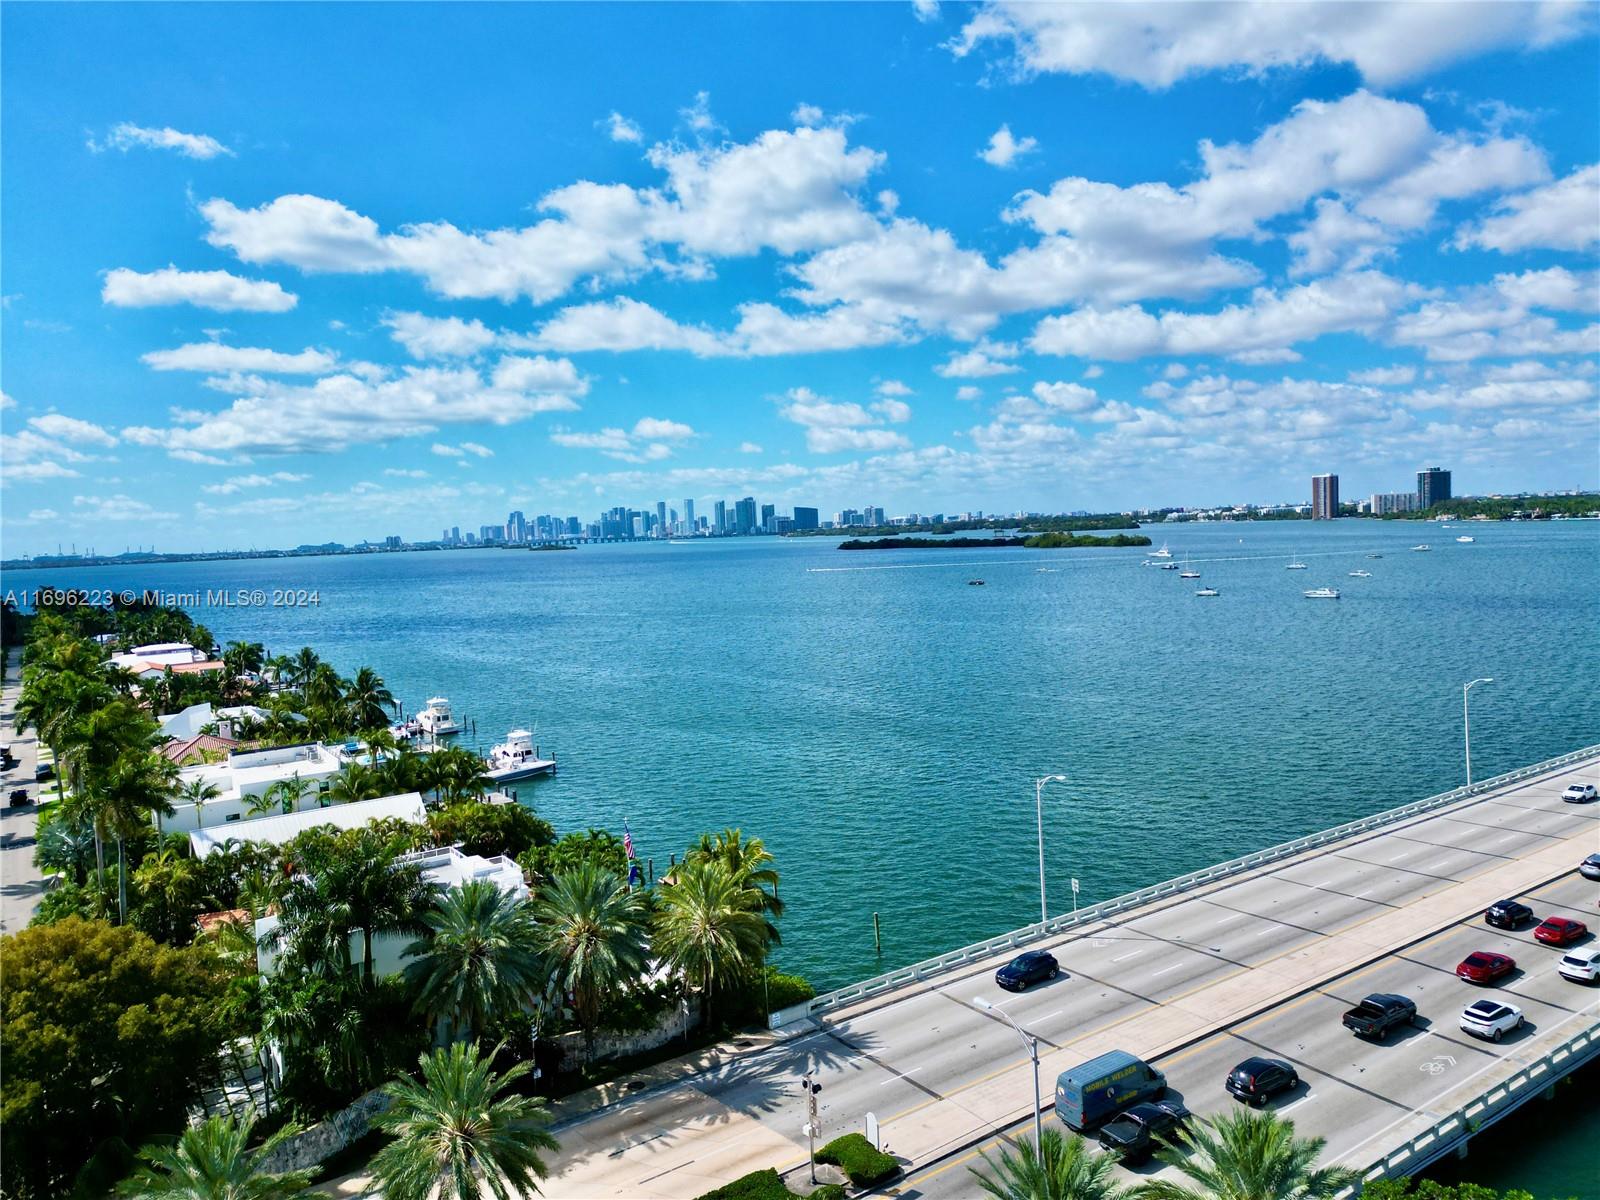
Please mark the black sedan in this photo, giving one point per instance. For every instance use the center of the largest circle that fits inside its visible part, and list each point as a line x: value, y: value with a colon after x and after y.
x: 1257, y: 1080
x: 1508, y: 914
x: 1033, y: 967
x: 1133, y: 1134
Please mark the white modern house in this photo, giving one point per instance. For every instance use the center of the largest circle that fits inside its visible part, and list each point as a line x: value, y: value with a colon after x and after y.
x: 283, y: 827
x: 244, y: 778
x: 190, y: 721
x: 152, y: 661
x: 446, y: 867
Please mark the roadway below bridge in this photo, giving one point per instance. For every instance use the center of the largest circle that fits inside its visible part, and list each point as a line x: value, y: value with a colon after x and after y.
x: 1262, y: 963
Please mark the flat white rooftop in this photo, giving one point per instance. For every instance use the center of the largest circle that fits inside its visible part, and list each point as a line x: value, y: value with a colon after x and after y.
x: 277, y: 830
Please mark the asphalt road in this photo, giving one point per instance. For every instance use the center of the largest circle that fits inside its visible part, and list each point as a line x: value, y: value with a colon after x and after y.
x: 1263, y: 964
x: 21, y: 885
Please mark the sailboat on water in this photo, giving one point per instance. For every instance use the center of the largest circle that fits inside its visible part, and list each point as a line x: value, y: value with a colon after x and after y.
x: 1188, y: 572
x: 1295, y: 564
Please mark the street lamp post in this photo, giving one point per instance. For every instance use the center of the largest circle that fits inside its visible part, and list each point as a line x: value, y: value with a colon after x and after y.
x: 1031, y: 1043
x: 1038, y: 808
x: 1466, y: 723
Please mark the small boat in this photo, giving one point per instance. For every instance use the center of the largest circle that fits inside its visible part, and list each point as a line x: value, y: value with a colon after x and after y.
x: 1208, y: 591
x: 1322, y: 593
x: 436, y: 720
x: 1374, y: 556
x: 1464, y: 538
x: 974, y: 583
x: 1423, y: 549
x: 1188, y: 572
x: 1169, y: 566
x: 1295, y: 564
x: 1161, y: 553
x: 1361, y: 574
x: 517, y: 758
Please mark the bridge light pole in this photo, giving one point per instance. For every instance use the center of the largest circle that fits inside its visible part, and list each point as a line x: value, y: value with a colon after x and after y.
x: 1038, y: 807
x: 1031, y: 1044
x: 1466, y: 723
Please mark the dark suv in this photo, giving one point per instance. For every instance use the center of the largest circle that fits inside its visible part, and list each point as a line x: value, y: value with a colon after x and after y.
x: 1032, y: 967
x: 1257, y: 1080
x: 1508, y: 914
x: 1133, y: 1134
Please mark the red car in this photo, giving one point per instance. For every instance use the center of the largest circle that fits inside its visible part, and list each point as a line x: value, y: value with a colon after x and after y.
x: 1485, y: 966
x: 1560, y: 931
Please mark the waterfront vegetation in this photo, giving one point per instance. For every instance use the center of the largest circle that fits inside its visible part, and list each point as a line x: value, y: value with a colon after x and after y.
x: 1035, y: 524
x: 1038, y: 541
x: 122, y: 1006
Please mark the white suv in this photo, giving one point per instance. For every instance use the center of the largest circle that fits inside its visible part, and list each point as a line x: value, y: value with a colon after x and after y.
x: 1579, y: 793
x: 1581, y: 965
x: 1491, y: 1019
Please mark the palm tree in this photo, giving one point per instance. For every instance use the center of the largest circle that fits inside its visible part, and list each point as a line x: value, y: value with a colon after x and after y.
x: 1245, y: 1155
x: 66, y: 844
x: 139, y: 783
x: 198, y: 791
x: 592, y: 933
x: 284, y: 795
x: 456, y: 1136
x: 751, y: 864
x: 244, y: 657
x: 1057, y: 1168
x: 210, y: 1161
x: 172, y: 893
x: 381, y: 743
x: 461, y: 774
x: 368, y: 701
x: 356, y: 782
x: 479, y: 960
x: 305, y: 665
x: 709, y: 929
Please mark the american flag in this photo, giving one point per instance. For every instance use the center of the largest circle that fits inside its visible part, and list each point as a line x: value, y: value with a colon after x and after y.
x: 627, y: 842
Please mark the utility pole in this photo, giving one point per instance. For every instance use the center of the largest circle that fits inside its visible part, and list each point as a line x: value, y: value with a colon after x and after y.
x: 811, y: 1088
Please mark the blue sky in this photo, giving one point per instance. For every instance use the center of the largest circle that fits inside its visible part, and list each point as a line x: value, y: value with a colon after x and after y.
x: 277, y: 274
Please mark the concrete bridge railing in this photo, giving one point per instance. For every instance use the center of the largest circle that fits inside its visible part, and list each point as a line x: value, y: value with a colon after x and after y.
x: 978, y: 951
x: 1455, y: 1130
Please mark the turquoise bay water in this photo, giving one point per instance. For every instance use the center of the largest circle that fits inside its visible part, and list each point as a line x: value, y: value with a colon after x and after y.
x: 880, y: 722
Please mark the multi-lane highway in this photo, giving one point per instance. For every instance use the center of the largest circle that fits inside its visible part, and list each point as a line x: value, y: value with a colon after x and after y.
x: 1262, y: 963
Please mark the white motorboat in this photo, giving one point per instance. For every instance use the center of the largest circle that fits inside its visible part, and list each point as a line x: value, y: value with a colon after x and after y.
x: 1161, y: 553
x: 436, y: 719
x: 1361, y: 574
x: 517, y: 758
x: 1322, y: 593
x: 1464, y: 538
x: 1169, y: 566
x: 1208, y: 591
x: 1295, y: 564
x: 1423, y: 549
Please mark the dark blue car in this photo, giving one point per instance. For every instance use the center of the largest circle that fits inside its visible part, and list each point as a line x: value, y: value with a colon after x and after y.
x: 1025, y: 969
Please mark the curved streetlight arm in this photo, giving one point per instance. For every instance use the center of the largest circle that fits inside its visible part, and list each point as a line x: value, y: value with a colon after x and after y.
x: 1466, y: 721
x: 1038, y: 812
x: 1031, y: 1045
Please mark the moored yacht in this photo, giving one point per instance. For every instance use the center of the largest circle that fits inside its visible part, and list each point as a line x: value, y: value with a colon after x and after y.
x: 517, y: 758
x: 1322, y: 593
x: 436, y: 719
x: 1161, y: 553
x: 1207, y: 591
x: 1422, y: 549
x: 1465, y: 538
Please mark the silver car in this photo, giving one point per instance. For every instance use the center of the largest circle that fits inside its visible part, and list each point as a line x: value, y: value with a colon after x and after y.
x: 1589, y: 868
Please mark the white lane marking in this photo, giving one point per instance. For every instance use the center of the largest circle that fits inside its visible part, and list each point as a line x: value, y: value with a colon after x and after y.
x: 1130, y: 954
x: 1048, y: 1015
x: 1170, y: 969
x: 900, y: 1076
x: 1302, y: 1100
x: 1235, y: 917
x: 1402, y: 854
x: 1264, y: 932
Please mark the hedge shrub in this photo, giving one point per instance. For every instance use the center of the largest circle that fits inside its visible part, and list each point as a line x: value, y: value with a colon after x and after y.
x: 758, y: 1185
x: 856, y: 1157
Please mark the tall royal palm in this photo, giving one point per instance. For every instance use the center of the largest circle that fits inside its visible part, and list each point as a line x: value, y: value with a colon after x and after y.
x: 212, y: 1161
x: 139, y: 783
x: 592, y: 932
x: 709, y: 929
x: 752, y: 864
x: 368, y: 701
x: 478, y: 961
x: 1246, y: 1155
x: 1058, y: 1168
x: 457, y: 1136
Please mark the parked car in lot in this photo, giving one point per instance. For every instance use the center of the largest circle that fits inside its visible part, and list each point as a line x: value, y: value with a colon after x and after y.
x: 1560, y: 931
x: 1491, y: 1019
x: 1508, y: 914
x: 1133, y: 1135
x: 1257, y: 1080
x: 1375, y: 1016
x: 1581, y: 965
x: 1033, y: 967
x: 1485, y: 966
x: 1589, y: 868
x: 1579, y: 793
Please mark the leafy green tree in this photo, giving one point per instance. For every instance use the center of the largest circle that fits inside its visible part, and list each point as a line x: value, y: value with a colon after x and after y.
x: 489, y: 829
x: 593, y: 933
x: 368, y: 702
x: 478, y: 962
x: 170, y: 893
x: 709, y: 929
x: 1430, y: 1189
x: 104, y: 1033
x: 213, y: 1161
x: 458, y: 1135
x: 1246, y: 1155
x: 597, y: 846
x: 1058, y: 1168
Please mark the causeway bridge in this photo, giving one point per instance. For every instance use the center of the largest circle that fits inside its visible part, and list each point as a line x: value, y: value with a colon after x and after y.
x: 1259, y: 956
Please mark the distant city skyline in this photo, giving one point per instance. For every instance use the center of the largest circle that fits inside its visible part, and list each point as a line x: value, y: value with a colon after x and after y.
x: 1159, y: 269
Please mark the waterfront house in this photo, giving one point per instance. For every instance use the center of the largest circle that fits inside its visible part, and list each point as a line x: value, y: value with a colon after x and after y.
x: 192, y: 721
x: 279, y: 828
x: 150, y: 662
x: 244, y: 779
